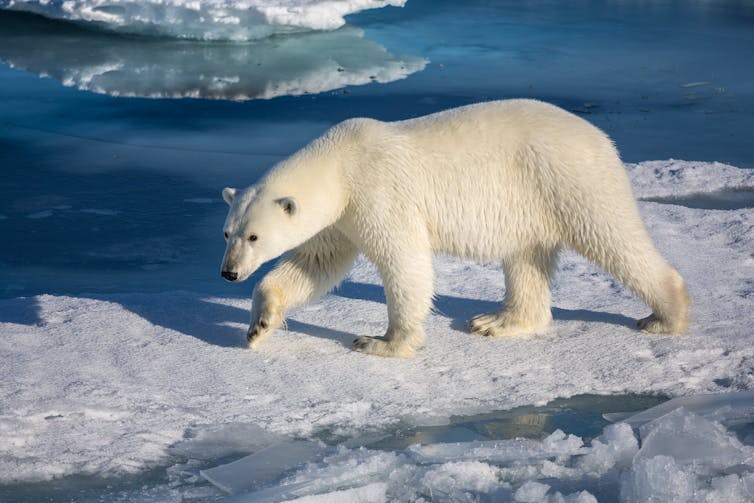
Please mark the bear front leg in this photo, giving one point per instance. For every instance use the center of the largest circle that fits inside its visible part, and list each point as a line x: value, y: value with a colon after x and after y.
x: 305, y: 274
x: 407, y: 276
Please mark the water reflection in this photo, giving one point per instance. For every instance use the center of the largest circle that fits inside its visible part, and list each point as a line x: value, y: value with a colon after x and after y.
x: 290, y: 65
x: 580, y: 415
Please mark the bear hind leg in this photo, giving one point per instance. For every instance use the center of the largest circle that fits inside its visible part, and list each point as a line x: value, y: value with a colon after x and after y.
x: 635, y: 262
x: 526, y: 308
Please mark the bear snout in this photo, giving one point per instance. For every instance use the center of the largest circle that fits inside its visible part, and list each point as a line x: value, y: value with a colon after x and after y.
x: 230, y: 276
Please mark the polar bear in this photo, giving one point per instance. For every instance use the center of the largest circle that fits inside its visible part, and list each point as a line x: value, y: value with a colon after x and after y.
x: 513, y: 181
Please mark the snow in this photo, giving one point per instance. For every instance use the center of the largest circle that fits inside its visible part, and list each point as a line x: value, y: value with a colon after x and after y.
x: 117, y: 384
x: 208, y: 19
x: 307, y: 63
x: 675, y: 178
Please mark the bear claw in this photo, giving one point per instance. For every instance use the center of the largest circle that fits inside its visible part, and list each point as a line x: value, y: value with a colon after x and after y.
x: 256, y: 333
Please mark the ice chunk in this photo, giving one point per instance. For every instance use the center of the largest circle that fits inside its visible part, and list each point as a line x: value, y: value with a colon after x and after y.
x: 531, y: 492
x: 372, y: 493
x: 344, y: 469
x: 213, y: 442
x: 208, y: 19
x: 462, y: 476
x: 537, y: 492
x: 685, y: 455
x: 286, y: 66
x: 263, y: 466
x: 691, y: 439
x: 556, y: 445
x: 617, y: 446
x: 658, y: 480
x: 730, y: 488
x: 726, y: 408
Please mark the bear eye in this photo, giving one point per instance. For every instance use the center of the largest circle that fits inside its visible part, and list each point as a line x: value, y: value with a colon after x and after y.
x: 225, y: 234
x: 253, y: 238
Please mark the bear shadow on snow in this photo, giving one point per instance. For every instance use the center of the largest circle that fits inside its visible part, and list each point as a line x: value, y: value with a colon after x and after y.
x: 214, y: 323
x: 460, y: 310
x: 192, y: 315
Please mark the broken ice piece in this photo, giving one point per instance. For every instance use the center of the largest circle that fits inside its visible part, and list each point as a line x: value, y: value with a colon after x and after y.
x: 269, y: 464
x: 727, y: 408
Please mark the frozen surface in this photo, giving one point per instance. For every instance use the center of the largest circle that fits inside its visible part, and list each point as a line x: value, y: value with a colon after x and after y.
x: 264, y: 466
x: 683, y: 457
x: 307, y: 63
x: 673, y: 178
x: 208, y: 19
x: 729, y: 409
x: 116, y: 384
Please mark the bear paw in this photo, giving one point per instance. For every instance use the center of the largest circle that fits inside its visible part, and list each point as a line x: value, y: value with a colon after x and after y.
x: 381, y: 347
x: 652, y: 324
x: 503, y: 325
x: 258, y: 331
x: 266, y: 315
x: 264, y: 325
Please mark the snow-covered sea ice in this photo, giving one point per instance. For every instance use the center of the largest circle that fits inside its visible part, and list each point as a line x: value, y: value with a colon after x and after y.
x: 207, y: 20
x: 100, y: 384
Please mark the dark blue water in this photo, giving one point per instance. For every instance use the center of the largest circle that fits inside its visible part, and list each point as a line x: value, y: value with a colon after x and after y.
x: 111, y: 170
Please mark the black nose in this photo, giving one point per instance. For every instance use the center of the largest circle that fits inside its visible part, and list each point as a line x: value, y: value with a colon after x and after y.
x: 230, y: 276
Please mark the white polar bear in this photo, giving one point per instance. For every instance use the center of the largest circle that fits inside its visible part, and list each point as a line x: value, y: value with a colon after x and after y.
x: 514, y: 181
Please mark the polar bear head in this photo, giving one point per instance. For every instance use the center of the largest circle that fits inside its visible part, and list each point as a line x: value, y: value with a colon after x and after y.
x: 259, y: 227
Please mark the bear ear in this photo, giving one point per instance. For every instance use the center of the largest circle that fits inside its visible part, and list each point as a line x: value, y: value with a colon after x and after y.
x: 228, y: 194
x: 288, y: 204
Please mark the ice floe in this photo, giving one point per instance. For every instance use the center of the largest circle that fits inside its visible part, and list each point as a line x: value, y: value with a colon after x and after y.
x: 208, y: 19
x: 293, y: 65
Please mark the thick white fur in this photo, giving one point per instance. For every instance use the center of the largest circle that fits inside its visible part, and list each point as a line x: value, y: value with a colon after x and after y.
x: 513, y: 181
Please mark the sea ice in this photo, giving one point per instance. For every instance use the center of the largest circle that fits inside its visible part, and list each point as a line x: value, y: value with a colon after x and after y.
x: 264, y: 466
x: 658, y: 480
x: 215, y: 442
x: 675, y: 178
x: 726, y: 408
x: 537, y: 492
x: 616, y: 447
x: 683, y: 458
x: 371, y: 493
x: 692, y: 440
x: 208, y: 19
x: 307, y: 63
x: 556, y: 445
x: 106, y: 385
